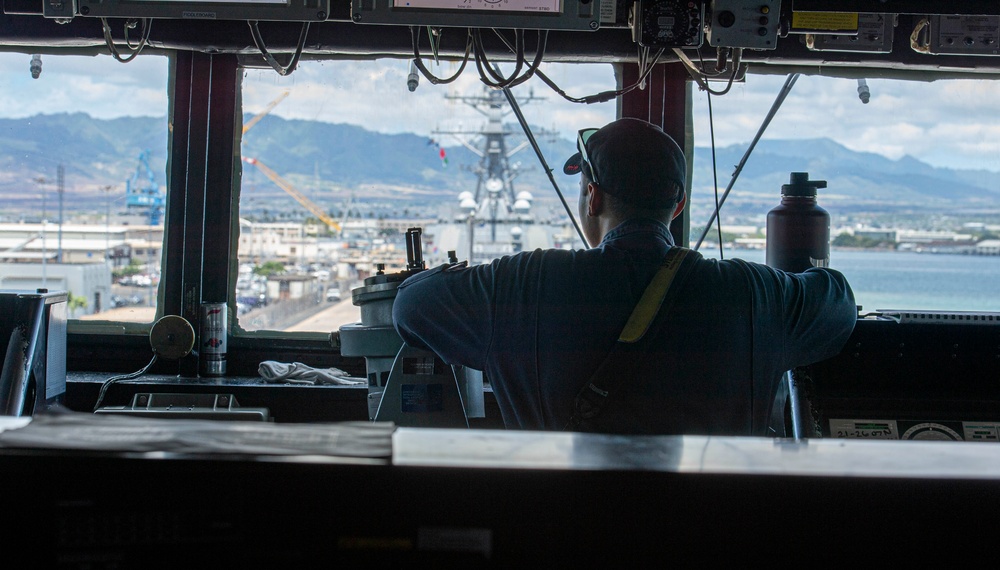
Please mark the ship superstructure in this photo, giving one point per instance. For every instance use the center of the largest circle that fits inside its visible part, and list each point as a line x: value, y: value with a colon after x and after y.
x: 493, y: 219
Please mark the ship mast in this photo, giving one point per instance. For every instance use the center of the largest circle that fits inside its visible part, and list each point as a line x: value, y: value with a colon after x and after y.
x: 495, y: 200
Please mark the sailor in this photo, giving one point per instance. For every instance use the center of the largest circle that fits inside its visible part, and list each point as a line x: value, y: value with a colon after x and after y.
x: 709, y: 355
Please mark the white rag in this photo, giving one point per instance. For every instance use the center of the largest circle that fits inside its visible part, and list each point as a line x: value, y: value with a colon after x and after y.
x: 298, y: 373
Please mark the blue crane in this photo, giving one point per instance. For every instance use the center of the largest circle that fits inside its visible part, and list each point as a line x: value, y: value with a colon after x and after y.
x: 142, y: 191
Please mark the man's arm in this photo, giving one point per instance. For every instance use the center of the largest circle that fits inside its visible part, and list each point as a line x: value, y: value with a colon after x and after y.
x: 820, y: 315
x: 831, y: 314
x: 798, y: 319
x: 448, y: 310
x: 810, y: 314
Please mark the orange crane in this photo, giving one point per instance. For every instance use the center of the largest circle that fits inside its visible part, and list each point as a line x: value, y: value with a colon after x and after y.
x: 256, y: 118
x: 294, y: 193
x: 281, y: 182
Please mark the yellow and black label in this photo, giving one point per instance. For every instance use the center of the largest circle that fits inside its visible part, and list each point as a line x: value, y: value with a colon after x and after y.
x: 824, y: 22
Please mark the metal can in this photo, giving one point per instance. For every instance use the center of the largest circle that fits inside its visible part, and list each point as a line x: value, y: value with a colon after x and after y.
x: 212, y: 343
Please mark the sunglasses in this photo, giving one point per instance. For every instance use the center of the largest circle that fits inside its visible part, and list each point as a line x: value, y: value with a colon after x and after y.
x: 581, y: 144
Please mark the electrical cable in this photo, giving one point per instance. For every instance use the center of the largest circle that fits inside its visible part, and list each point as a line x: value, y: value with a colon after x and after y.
x: 721, y: 62
x: 785, y: 90
x: 130, y: 25
x: 483, y: 64
x: 918, y: 44
x: 701, y: 78
x: 603, y: 96
x: 721, y: 59
x: 434, y: 38
x: 489, y: 75
x: 515, y: 78
x: 107, y: 383
x: 259, y: 42
x: 538, y: 152
x: 147, y: 25
x: 609, y: 95
x: 715, y: 171
x: 435, y: 80
x: 642, y: 59
x: 493, y: 70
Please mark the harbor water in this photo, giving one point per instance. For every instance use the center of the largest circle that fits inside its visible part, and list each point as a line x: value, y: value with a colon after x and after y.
x: 907, y: 280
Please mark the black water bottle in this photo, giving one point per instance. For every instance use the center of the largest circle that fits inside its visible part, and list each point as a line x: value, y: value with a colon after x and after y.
x: 798, y: 230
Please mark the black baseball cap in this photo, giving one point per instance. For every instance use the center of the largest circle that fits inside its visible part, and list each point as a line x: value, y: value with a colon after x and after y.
x: 633, y: 159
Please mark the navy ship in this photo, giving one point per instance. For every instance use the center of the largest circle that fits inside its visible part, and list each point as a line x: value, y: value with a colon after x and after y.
x: 494, y: 219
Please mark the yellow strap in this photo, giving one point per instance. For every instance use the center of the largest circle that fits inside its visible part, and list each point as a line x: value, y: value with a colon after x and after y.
x: 649, y: 304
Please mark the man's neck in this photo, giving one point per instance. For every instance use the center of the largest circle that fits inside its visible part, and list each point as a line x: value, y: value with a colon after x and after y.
x: 627, y: 223
x: 607, y: 222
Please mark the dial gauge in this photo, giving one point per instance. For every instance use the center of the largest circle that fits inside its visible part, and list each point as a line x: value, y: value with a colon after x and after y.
x: 930, y: 431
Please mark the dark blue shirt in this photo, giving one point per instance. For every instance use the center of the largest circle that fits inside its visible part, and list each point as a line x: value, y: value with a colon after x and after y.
x: 539, y: 323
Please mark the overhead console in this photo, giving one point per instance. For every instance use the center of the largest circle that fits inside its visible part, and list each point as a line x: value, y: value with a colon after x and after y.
x: 516, y: 14
x: 838, y: 37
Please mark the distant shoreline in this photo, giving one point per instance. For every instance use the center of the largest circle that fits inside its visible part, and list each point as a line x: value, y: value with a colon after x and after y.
x: 882, y: 250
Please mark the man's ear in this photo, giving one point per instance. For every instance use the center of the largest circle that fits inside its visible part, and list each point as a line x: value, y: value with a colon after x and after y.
x: 595, y: 200
x: 680, y: 205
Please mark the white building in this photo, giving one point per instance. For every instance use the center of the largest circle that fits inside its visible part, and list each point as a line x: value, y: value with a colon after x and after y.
x: 285, y: 287
x: 117, y: 245
x: 279, y: 241
x: 878, y: 234
x: 77, y: 258
x: 90, y: 281
x: 920, y: 236
x: 987, y: 247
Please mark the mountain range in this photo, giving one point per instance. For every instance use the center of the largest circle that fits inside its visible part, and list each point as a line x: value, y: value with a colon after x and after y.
x: 351, y: 160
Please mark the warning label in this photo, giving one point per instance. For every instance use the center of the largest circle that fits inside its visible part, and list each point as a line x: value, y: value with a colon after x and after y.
x: 824, y: 21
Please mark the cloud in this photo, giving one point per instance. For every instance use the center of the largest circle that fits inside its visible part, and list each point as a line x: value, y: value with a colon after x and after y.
x: 904, y: 138
x: 945, y: 123
x: 375, y: 95
x: 100, y: 86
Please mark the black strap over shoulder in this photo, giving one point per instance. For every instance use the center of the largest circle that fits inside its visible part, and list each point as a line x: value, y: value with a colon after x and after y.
x: 622, y: 359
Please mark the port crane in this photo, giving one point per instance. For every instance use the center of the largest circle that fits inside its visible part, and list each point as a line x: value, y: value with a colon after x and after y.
x: 281, y: 182
x: 142, y: 191
x: 256, y: 118
x: 294, y: 193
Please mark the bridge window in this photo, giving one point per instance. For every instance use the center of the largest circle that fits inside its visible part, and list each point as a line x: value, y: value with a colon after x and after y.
x: 83, y: 143
x: 340, y: 158
x: 911, y: 181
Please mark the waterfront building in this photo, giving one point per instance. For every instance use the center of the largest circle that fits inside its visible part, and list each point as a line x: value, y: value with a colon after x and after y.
x: 987, y: 247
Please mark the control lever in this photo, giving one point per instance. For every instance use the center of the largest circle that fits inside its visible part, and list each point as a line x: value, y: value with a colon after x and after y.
x: 414, y: 250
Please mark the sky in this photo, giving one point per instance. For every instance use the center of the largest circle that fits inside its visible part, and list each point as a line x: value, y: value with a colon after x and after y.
x: 952, y: 123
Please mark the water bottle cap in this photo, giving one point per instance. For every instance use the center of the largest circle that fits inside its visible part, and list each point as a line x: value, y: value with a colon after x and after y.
x: 799, y: 185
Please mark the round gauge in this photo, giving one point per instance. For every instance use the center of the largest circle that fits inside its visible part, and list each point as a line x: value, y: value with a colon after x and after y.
x: 172, y: 337
x: 931, y: 432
